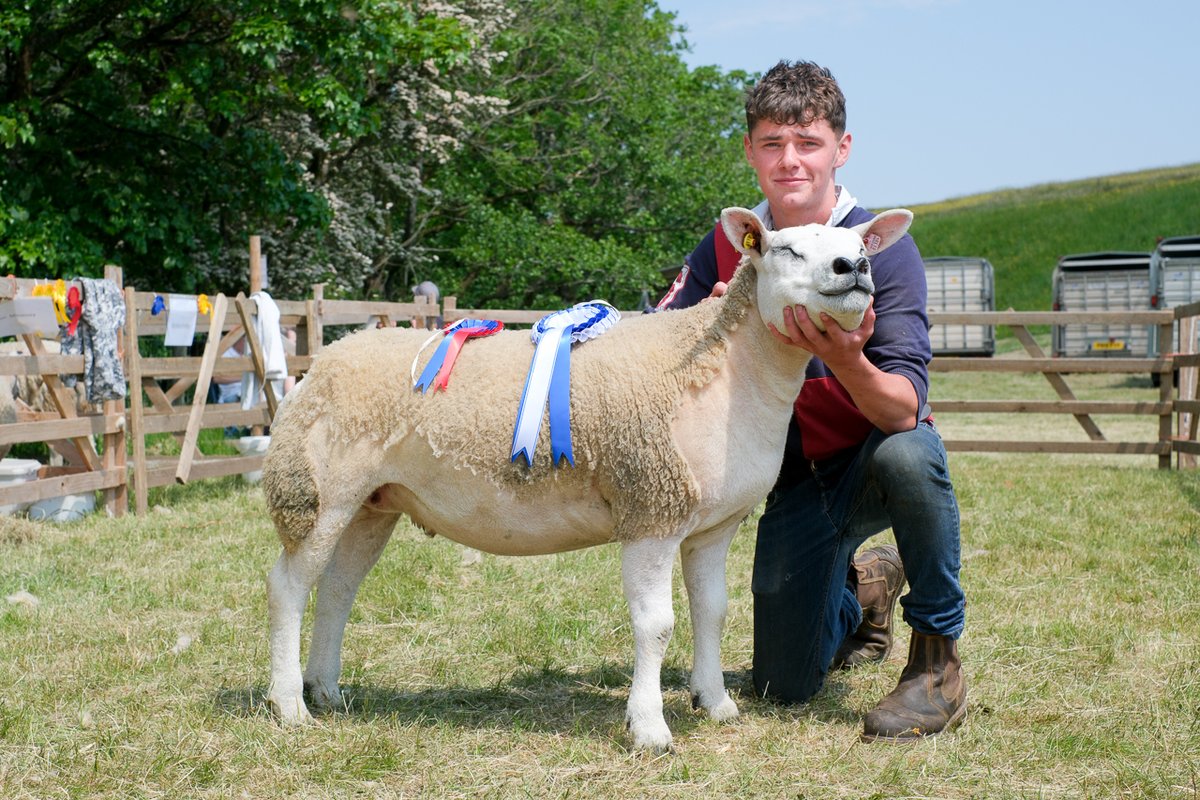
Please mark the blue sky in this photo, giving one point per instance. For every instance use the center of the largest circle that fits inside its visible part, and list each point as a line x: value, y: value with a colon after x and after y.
x: 952, y: 97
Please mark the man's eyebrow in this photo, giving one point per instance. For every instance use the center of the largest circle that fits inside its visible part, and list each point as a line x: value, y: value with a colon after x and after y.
x: 775, y: 137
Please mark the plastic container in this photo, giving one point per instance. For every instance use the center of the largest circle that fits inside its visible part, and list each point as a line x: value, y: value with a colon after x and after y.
x: 14, y: 471
x: 252, y: 446
x: 63, y: 509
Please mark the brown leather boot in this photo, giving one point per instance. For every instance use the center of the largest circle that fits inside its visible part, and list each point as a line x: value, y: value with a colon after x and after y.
x: 880, y: 579
x: 930, y: 698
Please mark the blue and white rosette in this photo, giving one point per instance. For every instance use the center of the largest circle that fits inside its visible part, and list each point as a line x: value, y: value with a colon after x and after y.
x: 549, y: 377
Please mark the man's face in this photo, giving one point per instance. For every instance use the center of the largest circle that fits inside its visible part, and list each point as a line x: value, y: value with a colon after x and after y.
x: 795, y: 165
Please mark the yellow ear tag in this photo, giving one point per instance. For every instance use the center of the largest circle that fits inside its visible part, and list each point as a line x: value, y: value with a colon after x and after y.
x: 748, y: 241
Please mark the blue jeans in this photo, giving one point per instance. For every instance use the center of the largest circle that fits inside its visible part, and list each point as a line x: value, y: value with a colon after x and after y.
x: 804, y: 600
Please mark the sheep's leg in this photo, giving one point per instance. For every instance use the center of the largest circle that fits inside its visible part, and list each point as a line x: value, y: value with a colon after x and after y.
x: 704, y: 575
x: 357, y: 551
x: 288, y: 586
x: 646, y: 574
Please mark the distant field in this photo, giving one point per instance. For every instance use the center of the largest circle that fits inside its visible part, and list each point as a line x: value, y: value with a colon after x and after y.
x: 1023, y: 232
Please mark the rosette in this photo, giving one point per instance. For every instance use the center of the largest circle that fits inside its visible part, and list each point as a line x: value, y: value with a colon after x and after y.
x: 549, y: 377
x: 437, y: 371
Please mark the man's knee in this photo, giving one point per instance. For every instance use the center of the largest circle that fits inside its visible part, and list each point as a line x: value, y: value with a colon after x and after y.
x: 909, y: 458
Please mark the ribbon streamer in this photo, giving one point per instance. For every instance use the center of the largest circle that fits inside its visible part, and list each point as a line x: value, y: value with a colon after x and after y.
x: 158, y: 306
x: 437, y: 371
x: 549, y: 378
x: 75, y: 306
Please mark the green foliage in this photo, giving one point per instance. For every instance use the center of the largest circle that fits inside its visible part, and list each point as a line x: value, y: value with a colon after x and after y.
x: 1024, y: 232
x: 609, y: 163
x: 142, y: 133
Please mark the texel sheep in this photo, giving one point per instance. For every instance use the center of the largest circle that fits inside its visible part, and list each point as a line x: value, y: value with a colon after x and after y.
x: 678, y: 421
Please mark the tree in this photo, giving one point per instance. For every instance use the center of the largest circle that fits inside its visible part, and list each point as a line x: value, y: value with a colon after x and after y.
x: 522, y: 153
x: 159, y: 134
x: 609, y: 161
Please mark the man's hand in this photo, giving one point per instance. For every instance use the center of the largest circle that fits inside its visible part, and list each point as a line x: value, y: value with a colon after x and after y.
x: 718, y: 290
x: 888, y: 401
x: 839, y: 349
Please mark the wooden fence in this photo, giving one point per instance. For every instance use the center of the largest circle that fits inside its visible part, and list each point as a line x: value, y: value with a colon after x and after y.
x: 174, y: 389
x: 1057, y: 370
x: 173, y: 396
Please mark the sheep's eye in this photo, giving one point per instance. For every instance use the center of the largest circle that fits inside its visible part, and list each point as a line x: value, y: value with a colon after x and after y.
x: 783, y: 248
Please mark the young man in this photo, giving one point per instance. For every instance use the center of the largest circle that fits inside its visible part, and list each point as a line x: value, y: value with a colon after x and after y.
x: 862, y: 454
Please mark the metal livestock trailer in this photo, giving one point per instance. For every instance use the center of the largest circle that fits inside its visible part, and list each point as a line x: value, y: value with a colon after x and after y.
x: 1174, y: 279
x: 1108, y: 281
x: 958, y: 283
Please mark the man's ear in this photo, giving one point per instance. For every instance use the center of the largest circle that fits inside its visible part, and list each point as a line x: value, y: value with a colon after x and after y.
x: 885, y: 230
x: 745, y: 231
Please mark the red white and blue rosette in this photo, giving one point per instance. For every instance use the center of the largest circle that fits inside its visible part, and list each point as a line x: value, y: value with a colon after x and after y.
x: 549, y: 378
x: 437, y: 371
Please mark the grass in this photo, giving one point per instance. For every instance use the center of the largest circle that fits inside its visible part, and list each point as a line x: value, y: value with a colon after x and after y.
x: 142, y: 669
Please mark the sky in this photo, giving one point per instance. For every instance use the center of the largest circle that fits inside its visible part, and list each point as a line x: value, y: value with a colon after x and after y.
x: 947, y: 98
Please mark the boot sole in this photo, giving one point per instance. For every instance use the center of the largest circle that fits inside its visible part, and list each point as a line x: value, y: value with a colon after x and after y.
x: 951, y: 724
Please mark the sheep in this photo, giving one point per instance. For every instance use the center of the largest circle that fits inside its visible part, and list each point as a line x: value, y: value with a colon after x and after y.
x: 678, y: 424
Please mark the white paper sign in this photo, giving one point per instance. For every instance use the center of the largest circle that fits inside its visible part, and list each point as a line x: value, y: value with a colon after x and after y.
x: 181, y: 320
x: 28, y: 315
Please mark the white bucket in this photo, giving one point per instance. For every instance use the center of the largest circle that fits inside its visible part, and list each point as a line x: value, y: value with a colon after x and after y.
x: 252, y: 446
x: 14, y: 471
x: 63, y: 509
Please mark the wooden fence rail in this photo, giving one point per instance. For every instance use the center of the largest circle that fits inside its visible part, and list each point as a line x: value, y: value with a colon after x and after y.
x: 1055, y: 370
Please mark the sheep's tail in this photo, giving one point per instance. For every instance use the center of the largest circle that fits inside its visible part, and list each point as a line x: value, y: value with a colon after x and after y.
x: 289, y: 485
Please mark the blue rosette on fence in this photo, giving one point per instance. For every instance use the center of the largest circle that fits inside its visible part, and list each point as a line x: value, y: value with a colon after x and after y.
x: 549, y: 378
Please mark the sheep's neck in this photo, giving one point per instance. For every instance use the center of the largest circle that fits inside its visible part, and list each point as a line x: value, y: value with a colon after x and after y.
x: 755, y: 356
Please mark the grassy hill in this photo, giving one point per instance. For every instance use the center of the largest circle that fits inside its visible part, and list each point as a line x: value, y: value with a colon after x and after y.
x: 1023, y: 232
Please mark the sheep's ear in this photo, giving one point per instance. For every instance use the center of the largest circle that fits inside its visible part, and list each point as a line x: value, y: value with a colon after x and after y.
x: 885, y: 230
x: 745, y: 231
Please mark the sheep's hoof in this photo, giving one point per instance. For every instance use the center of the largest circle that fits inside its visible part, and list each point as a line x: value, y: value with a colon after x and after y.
x: 722, y: 711
x: 651, y: 736
x: 324, y: 697
x: 291, y: 712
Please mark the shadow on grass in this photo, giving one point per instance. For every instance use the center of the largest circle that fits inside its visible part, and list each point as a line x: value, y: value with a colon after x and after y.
x: 552, y: 700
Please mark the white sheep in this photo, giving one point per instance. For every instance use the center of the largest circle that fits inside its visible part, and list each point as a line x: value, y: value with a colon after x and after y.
x: 678, y: 421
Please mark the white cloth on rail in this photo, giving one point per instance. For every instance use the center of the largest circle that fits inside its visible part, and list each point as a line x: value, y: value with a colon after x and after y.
x: 266, y: 328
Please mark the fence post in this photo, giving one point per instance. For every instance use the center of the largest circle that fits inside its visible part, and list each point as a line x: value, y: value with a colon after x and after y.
x: 312, y: 311
x: 1187, y: 386
x: 137, y: 413
x: 256, y: 270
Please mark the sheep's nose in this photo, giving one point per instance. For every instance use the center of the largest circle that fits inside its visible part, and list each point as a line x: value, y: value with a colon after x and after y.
x: 844, y: 266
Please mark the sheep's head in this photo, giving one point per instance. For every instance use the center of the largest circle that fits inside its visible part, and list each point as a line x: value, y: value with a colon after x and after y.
x: 823, y: 268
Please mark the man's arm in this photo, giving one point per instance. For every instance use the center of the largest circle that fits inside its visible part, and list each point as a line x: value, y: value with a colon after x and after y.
x: 697, y: 280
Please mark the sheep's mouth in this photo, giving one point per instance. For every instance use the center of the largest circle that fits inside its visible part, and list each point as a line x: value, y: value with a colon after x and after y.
x: 857, y: 287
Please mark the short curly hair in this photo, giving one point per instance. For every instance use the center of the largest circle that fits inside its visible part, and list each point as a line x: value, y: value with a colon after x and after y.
x: 797, y: 93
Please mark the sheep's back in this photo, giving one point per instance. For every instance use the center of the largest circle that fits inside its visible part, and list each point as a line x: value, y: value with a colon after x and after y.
x: 626, y: 386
